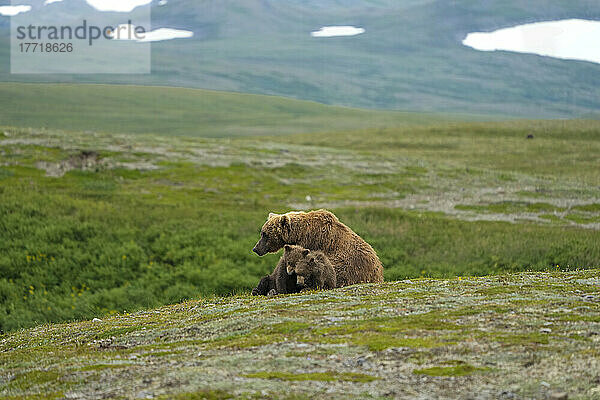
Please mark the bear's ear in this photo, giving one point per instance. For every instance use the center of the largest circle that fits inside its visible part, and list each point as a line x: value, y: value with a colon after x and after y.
x: 273, y: 215
x: 285, y: 223
x: 287, y: 247
x: 305, y: 252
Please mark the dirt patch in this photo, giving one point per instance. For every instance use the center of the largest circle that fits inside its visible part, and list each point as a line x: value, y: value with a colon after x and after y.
x: 89, y: 160
x: 84, y: 160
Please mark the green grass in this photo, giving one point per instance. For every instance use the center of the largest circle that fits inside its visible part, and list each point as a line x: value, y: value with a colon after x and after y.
x: 303, y: 344
x: 379, y: 342
x: 121, y: 236
x: 71, y: 252
x: 509, y: 207
x: 100, y: 367
x: 583, y: 218
x: 521, y: 339
x: 205, y: 395
x: 595, y: 207
x: 313, y: 376
x: 179, y: 111
x: 458, y: 370
x: 33, y: 378
x: 560, y: 149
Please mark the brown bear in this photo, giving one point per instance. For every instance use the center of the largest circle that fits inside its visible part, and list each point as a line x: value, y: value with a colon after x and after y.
x: 353, y: 259
x: 313, y: 270
x: 280, y: 282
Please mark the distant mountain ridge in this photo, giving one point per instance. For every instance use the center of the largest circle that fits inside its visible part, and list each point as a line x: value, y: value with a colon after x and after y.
x: 409, y: 58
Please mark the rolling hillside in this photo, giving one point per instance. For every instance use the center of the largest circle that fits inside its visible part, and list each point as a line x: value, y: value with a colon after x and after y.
x: 518, y: 336
x: 187, y: 112
x: 410, y: 58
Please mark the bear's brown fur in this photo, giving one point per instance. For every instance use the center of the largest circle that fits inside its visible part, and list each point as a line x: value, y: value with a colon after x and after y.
x: 313, y: 270
x: 280, y: 282
x: 353, y: 259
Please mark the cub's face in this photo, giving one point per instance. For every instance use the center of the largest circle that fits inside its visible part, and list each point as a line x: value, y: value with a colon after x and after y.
x: 290, y: 269
x: 304, y: 267
x: 272, y: 234
x: 291, y: 256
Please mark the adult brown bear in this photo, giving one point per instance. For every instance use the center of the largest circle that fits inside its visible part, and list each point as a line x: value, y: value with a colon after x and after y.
x: 353, y: 259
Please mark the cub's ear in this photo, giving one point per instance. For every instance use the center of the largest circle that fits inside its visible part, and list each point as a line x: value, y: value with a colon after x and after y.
x: 305, y: 252
x: 287, y: 247
x: 273, y: 215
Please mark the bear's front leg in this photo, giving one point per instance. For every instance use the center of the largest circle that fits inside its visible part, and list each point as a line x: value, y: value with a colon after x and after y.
x: 272, y: 293
x: 263, y: 287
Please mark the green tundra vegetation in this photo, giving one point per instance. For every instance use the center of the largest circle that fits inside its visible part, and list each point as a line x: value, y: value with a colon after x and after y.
x: 509, y: 335
x: 188, y: 112
x: 97, y: 223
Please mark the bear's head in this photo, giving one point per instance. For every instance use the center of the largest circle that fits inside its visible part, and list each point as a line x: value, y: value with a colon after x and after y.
x: 304, y: 266
x: 273, y: 234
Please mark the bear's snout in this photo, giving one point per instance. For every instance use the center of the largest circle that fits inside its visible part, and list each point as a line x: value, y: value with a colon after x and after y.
x: 260, y: 252
x: 260, y: 248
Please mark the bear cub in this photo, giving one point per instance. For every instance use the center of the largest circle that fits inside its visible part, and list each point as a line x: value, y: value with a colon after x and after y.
x: 280, y: 281
x: 313, y: 271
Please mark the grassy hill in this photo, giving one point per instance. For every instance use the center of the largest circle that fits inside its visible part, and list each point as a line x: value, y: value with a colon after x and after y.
x: 532, y: 335
x: 96, y: 223
x: 188, y: 112
x: 565, y: 150
x: 410, y: 58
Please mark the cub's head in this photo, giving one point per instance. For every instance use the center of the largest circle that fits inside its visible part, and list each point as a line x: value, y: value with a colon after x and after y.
x: 291, y: 255
x: 273, y: 234
x: 304, y: 266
